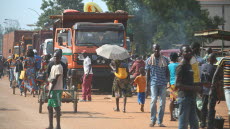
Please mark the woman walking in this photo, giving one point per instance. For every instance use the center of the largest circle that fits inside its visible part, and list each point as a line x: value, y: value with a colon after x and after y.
x: 121, y: 82
x: 29, y: 67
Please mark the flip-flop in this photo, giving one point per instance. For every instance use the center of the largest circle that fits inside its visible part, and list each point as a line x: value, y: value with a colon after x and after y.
x: 123, y: 111
x: 116, y: 110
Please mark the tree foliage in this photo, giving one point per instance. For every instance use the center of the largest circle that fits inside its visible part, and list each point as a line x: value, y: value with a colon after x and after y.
x: 56, y: 7
x: 11, y: 25
x: 166, y: 22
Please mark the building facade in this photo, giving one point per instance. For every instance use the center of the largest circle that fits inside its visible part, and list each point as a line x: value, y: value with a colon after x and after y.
x: 218, y: 8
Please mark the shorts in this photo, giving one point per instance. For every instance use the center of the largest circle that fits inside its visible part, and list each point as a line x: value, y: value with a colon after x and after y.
x: 120, y: 87
x: 55, y: 98
x: 141, y: 97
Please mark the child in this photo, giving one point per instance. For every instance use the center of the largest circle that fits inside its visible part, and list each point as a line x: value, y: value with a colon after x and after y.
x: 141, y: 85
x: 173, y: 91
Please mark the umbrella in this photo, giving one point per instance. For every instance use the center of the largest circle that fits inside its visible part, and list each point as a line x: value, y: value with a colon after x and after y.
x: 113, y: 52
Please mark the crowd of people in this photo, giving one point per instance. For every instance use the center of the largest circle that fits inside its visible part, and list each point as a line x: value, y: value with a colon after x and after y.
x: 194, y: 82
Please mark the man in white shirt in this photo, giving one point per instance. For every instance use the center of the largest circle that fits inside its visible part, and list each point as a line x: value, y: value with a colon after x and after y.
x: 87, y: 77
x: 55, y: 90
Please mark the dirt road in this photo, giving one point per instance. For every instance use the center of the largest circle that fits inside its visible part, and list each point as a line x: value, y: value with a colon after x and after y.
x: 18, y: 112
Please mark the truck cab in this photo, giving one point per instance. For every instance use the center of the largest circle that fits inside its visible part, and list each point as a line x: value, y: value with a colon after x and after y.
x: 76, y: 32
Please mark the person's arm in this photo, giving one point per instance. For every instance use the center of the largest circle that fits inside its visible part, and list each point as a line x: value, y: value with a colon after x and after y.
x: 217, y: 82
x: 89, y: 65
x: 49, y: 68
x: 136, y: 80
x: 167, y: 74
x: 53, y: 83
x: 179, y: 84
x: 132, y: 68
x: 112, y: 65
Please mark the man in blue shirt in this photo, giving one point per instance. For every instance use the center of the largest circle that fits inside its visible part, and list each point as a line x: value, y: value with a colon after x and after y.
x: 157, y: 75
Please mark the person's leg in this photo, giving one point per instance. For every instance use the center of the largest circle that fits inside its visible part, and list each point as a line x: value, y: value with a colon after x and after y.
x: 142, y: 101
x: 162, y: 97
x: 117, y: 104
x: 227, y: 99
x: 89, y: 84
x: 50, y: 111
x: 58, y: 115
x: 20, y: 86
x: 184, y: 109
x: 11, y: 76
x: 198, y: 111
x: 171, y: 106
x: 84, y: 88
x: 193, y: 119
x: 153, y: 108
x: 204, y: 111
x: 64, y: 84
x: 125, y: 100
x: 212, y: 111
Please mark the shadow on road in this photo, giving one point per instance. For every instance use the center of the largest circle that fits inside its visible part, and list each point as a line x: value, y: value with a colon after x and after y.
x: 6, y: 109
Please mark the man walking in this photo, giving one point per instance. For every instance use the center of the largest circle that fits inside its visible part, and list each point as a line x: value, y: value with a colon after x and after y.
x: 87, y: 77
x: 55, y: 90
x: 157, y: 70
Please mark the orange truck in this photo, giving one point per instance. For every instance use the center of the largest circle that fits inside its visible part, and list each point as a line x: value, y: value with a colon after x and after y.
x: 74, y: 32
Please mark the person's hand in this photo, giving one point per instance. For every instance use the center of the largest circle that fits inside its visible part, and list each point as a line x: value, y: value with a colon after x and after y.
x: 53, y: 81
x: 86, y: 76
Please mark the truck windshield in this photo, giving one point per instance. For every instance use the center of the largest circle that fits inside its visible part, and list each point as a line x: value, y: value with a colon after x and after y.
x: 16, y: 50
x: 49, y: 47
x: 98, y: 38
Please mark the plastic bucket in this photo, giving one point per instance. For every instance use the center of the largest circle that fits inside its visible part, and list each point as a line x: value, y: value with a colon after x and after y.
x: 219, y: 123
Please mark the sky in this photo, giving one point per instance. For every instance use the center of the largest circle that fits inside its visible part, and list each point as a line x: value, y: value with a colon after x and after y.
x: 25, y: 11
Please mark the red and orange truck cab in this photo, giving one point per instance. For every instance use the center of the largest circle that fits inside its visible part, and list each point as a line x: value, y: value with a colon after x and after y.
x: 78, y: 31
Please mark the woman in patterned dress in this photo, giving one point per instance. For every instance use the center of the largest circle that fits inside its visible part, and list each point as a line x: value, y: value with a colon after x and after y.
x: 44, y: 66
x: 29, y: 67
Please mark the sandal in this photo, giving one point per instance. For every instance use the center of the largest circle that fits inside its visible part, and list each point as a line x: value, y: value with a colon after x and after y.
x: 116, y: 110
x: 123, y: 111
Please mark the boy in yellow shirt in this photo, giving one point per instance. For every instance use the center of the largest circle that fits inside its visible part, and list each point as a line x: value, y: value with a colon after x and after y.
x: 141, y: 85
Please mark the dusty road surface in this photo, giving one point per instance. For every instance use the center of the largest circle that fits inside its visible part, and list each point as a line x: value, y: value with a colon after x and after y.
x: 18, y: 112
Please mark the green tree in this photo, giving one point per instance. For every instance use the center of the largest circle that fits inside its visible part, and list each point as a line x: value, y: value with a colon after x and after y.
x: 56, y: 7
x: 166, y: 22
